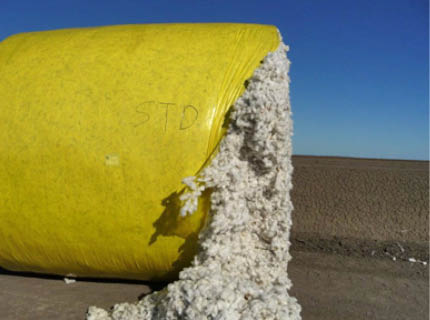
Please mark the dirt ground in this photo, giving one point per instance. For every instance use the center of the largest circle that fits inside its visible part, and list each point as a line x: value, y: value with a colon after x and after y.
x: 340, y: 287
x: 363, y: 199
x: 328, y: 286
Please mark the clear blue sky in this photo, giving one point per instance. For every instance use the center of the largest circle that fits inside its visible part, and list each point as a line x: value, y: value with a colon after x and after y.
x: 359, y: 68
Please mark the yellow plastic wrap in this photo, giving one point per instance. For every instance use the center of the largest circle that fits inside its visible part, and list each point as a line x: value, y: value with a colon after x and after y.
x: 98, y: 126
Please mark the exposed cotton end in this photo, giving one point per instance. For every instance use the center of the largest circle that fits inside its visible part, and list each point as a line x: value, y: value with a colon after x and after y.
x: 241, y: 269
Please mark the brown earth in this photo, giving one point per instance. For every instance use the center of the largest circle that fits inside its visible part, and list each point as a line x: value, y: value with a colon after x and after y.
x: 361, y: 206
x: 328, y: 286
x: 332, y: 287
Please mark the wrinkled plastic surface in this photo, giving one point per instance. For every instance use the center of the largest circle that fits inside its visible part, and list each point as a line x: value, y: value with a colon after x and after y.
x: 98, y: 126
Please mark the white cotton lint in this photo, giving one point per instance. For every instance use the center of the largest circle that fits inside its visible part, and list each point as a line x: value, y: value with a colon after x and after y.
x: 240, y: 271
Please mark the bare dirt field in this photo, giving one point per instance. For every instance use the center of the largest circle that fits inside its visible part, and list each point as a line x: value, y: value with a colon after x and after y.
x: 357, y: 222
x: 328, y: 286
x: 361, y: 206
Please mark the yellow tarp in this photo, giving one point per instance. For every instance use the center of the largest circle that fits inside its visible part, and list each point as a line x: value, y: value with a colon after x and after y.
x: 98, y: 126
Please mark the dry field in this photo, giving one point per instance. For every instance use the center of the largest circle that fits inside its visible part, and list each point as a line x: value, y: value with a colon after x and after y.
x: 361, y: 205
